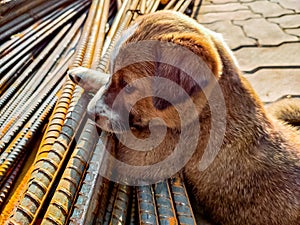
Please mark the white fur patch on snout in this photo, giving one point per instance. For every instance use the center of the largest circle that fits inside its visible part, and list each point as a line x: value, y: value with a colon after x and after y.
x: 97, y: 107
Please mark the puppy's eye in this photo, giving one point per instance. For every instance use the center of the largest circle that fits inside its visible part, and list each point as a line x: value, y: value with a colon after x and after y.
x: 129, y: 88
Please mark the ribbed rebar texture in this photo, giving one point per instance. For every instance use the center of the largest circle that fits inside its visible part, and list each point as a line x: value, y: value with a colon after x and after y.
x: 43, y: 123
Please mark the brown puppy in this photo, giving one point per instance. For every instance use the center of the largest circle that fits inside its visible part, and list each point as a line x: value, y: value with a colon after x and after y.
x: 252, y: 172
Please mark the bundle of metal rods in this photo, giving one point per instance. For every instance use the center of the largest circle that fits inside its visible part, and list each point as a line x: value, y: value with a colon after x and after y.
x: 50, y: 152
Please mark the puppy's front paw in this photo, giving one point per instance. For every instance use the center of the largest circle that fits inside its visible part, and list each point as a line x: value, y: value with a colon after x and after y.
x: 76, y: 74
x: 90, y: 80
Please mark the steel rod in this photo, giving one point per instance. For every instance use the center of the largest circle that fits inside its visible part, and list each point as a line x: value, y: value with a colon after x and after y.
x: 7, y: 61
x: 20, y: 11
x: 23, y: 21
x: 146, y: 205
x: 40, y: 74
x: 61, y: 203
x: 120, y: 209
x: 51, y: 156
x: 181, y: 201
x: 184, y: 6
x: 108, y: 211
x: 165, y: 208
x: 66, y: 176
x: 170, y: 4
x: 178, y: 5
x: 12, y: 126
x: 87, y: 203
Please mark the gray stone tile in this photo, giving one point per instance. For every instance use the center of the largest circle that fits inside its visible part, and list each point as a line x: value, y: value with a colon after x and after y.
x: 271, y: 84
x: 222, y: 7
x: 284, y: 55
x: 287, y: 21
x: 223, y: 1
x: 237, y: 15
x: 232, y: 34
x: 249, y: 0
x: 265, y: 23
x: 268, y: 9
x: 265, y: 32
x: 289, y: 4
x: 293, y: 31
x: 206, y: 2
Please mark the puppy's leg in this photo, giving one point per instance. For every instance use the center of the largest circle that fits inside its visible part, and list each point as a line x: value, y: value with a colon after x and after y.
x: 286, y: 110
x: 89, y: 80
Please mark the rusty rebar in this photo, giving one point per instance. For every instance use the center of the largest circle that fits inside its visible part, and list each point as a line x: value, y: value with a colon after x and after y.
x: 87, y: 202
x: 170, y: 4
x: 100, y: 35
x: 53, y: 155
x: 143, y: 6
x: 196, y: 9
x: 165, y: 208
x: 26, y: 19
x: 15, y: 72
x: 49, y: 157
x: 8, y: 6
x: 114, y: 28
x: 9, y: 59
x: 120, y: 209
x: 178, y: 5
x: 13, y: 125
x: 80, y: 52
x: 133, y: 219
x: 184, y: 6
x: 181, y: 201
x: 24, y: 92
x: 10, y: 157
x: 146, y: 205
x: 46, y: 169
x: 33, y: 30
x: 109, y: 208
x: 7, y: 186
x: 20, y: 11
x: 82, y: 194
x: 154, y: 6
x: 43, y: 74
x: 61, y: 203
x: 55, y: 215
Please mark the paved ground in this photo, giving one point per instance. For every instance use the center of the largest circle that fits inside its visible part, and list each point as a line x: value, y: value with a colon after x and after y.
x: 265, y: 37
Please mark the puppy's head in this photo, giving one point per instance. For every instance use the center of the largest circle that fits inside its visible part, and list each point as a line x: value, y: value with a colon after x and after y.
x: 163, y: 69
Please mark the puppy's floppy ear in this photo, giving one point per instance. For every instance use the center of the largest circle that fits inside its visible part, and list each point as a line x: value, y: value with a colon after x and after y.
x: 189, y: 60
x: 229, y: 62
x: 89, y: 80
x: 174, y: 88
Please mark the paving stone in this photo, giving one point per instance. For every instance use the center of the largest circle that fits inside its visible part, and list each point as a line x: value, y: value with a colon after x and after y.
x: 223, y: 1
x: 206, y: 2
x: 271, y: 84
x: 270, y: 22
x: 249, y: 0
x: 284, y: 55
x: 236, y: 15
x: 232, y: 34
x: 223, y: 7
x: 289, y: 4
x: 265, y: 32
x: 287, y: 21
x: 268, y: 9
x: 293, y: 31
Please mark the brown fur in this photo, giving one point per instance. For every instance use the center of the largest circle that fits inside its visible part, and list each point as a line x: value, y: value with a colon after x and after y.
x: 286, y: 110
x: 255, y: 178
